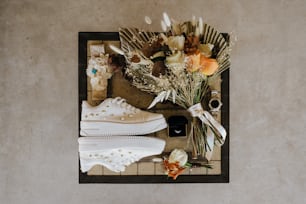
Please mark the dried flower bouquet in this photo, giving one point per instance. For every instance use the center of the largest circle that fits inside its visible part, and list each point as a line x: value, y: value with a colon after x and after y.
x: 178, y: 65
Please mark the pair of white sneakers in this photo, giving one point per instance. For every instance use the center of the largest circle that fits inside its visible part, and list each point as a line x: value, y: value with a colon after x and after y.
x: 109, y: 127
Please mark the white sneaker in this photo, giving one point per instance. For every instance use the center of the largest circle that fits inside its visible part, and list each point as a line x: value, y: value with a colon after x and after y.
x: 116, y: 117
x: 116, y: 152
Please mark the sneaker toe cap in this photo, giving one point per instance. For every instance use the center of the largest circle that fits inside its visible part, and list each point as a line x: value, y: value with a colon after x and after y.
x: 152, y: 116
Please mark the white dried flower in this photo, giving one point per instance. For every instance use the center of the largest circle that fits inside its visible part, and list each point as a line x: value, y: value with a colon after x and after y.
x: 148, y: 20
x: 116, y: 49
x: 167, y: 19
x: 176, y: 43
x: 175, y: 58
x: 178, y: 155
x: 163, y: 25
x: 193, y: 21
x: 201, y: 25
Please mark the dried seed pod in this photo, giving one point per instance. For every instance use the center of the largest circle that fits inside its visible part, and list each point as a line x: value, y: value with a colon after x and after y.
x: 159, y: 68
x: 135, y: 59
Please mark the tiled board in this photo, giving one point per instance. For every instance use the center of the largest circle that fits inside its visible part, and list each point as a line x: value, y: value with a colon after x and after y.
x: 119, y: 86
x: 150, y: 168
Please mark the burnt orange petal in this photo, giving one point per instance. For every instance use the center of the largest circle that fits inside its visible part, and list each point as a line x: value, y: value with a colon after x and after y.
x: 208, y: 65
x: 179, y: 172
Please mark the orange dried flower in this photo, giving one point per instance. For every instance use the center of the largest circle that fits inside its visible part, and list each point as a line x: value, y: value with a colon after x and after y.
x: 173, y: 169
x: 208, y: 65
x: 205, y: 65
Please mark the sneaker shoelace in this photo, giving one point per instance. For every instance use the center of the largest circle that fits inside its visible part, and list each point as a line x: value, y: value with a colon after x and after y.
x: 122, y: 102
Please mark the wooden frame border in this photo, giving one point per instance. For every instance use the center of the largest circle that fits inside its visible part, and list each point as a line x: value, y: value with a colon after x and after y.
x: 84, y: 178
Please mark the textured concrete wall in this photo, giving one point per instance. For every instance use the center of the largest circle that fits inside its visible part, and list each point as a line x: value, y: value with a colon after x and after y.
x: 38, y: 100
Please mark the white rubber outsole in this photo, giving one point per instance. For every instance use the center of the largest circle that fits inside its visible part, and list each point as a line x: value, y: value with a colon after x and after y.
x: 105, y: 151
x: 113, y: 142
x: 97, y: 128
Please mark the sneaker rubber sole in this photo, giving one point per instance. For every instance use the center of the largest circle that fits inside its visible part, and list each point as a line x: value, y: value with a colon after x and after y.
x: 98, y: 128
x: 116, y: 152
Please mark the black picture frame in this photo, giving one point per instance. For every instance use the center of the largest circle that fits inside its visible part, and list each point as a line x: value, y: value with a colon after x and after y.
x: 83, y: 37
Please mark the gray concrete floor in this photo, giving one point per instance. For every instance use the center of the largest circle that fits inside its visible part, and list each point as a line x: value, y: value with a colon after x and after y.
x: 39, y: 94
